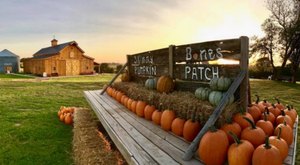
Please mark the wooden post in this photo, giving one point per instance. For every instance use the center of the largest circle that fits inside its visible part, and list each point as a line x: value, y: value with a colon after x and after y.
x: 116, y: 76
x: 171, y: 61
x: 215, y: 115
x: 244, y: 89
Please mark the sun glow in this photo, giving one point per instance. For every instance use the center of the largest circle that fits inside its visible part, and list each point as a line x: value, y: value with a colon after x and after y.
x: 223, y: 61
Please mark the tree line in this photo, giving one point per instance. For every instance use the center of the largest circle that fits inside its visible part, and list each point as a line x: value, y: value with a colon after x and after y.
x: 282, y: 37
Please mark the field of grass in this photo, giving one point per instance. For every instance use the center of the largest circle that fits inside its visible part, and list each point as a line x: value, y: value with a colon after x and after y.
x: 30, y: 130
x: 31, y: 133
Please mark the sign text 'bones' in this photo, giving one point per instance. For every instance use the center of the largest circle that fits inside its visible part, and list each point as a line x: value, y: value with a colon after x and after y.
x: 204, y: 54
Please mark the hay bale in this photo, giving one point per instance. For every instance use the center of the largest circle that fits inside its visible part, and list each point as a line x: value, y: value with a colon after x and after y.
x: 89, y: 147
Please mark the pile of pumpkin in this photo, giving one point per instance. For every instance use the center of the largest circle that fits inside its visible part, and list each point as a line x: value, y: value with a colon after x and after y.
x: 167, y: 119
x: 260, y: 136
x: 65, y: 114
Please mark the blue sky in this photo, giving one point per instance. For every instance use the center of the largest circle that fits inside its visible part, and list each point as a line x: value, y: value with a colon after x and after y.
x: 109, y: 29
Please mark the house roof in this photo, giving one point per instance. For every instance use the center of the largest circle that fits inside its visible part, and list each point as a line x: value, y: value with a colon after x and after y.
x: 53, y: 50
x: 7, y: 53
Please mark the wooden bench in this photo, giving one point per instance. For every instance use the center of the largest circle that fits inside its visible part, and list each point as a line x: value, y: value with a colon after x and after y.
x: 140, y: 141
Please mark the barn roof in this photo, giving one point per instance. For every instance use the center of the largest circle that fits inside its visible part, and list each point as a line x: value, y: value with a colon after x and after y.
x: 7, y: 53
x: 53, y: 50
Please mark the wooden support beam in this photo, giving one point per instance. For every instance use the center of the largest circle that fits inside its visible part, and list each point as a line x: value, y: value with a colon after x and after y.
x: 116, y: 76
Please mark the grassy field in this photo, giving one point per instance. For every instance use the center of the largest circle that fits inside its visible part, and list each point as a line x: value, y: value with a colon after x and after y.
x: 32, y: 134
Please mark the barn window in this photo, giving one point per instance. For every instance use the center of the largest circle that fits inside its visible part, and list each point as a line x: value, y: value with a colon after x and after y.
x: 87, y: 67
x: 54, y: 68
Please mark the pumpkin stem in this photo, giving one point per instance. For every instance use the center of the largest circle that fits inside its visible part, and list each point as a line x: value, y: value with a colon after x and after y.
x: 278, y: 102
x: 279, y: 133
x: 257, y: 99
x: 235, y: 138
x: 267, y: 110
x: 282, y: 112
x: 265, y: 101
x: 288, y: 107
x: 228, y: 120
x: 251, y: 122
x: 213, y: 129
x: 273, y: 105
x: 267, y: 143
x: 265, y: 117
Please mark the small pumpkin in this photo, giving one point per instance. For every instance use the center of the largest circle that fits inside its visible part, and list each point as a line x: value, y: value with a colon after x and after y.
x: 270, y: 116
x: 68, y: 119
x: 165, y: 84
x: 177, y: 126
x: 278, y: 104
x: 281, y: 118
x: 140, y: 107
x: 156, y: 116
x: 286, y: 132
x: 231, y: 127
x: 290, y: 111
x: 149, y: 109
x: 215, y: 97
x: 240, y: 152
x: 265, y: 125
x: 166, y: 120
x: 239, y: 118
x: 280, y: 144
x: 273, y: 109
x: 213, y: 147
x: 202, y: 93
x: 266, y: 154
x: 255, y: 135
x: 254, y: 112
x: 133, y: 106
x: 191, y: 128
x: 257, y: 103
x: 150, y: 83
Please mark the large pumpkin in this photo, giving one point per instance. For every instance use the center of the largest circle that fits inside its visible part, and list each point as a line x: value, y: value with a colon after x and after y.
x: 166, y: 120
x: 165, y: 84
x: 215, y: 97
x: 150, y: 83
x: 280, y: 144
x: 232, y: 127
x: 265, y: 125
x: 266, y: 154
x: 220, y: 84
x: 177, y: 126
x: 239, y: 118
x: 240, y: 152
x: 202, y: 93
x: 255, y: 135
x: 190, y: 129
x: 213, y: 147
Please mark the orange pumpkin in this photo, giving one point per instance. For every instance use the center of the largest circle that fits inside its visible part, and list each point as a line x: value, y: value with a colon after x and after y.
x: 280, y: 144
x: 133, y: 106
x: 281, y: 118
x: 270, y: 116
x: 119, y: 96
x: 68, y: 119
x: 253, y: 134
x: 156, y: 116
x: 278, y: 104
x: 286, y: 133
x: 213, y: 147
x: 274, y: 110
x: 290, y: 111
x: 240, y: 152
x: 140, y: 107
x: 232, y: 127
x: 166, y: 120
x: 62, y: 117
x: 149, y: 109
x: 239, y: 118
x: 165, y: 84
x: 129, y: 102
x: 177, y: 126
x: 260, y: 106
x: 266, y: 154
x: 265, y: 125
x: 254, y: 112
x: 191, y: 129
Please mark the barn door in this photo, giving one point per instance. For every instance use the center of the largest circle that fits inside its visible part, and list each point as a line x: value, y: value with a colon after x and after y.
x: 7, y: 69
x: 72, y: 67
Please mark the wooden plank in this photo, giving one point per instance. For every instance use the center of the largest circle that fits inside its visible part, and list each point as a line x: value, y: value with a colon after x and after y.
x: 130, y: 150
x: 156, y: 153
x: 207, y: 51
x: 174, y: 140
x: 215, y: 115
x: 116, y: 76
x: 171, y: 61
x: 244, y: 62
x: 154, y: 137
x: 204, y: 72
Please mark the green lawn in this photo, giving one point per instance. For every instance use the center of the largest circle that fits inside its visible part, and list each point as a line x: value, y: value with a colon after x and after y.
x: 31, y: 133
